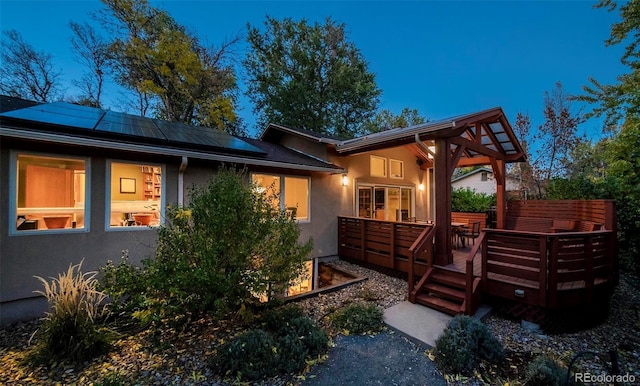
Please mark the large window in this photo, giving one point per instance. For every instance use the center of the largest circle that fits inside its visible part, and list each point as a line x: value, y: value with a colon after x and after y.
x: 50, y: 193
x: 292, y: 193
x: 391, y: 203
x: 135, y: 195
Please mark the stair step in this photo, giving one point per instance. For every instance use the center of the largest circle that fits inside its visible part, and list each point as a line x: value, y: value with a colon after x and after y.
x: 439, y: 304
x: 445, y: 291
x: 452, y: 279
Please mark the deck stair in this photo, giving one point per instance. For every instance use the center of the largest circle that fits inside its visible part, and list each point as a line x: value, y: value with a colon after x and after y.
x: 444, y: 290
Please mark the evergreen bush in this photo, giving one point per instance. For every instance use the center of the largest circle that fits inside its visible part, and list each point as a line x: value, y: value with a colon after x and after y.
x: 282, y: 344
x: 545, y: 371
x: 464, y: 343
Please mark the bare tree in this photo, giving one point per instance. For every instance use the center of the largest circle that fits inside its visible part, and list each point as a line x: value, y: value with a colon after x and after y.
x: 523, y: 171
x: 90, y: 49
x: 557, y: 135
x: 25, y: 72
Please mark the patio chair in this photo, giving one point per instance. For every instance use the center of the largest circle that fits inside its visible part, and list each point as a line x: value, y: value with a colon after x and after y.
x: 470, y: 233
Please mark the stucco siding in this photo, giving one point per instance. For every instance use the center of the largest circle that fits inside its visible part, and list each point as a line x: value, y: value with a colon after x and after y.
x: 22, y: 256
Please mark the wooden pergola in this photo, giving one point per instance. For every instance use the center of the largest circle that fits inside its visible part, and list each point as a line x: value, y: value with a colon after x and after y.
x: 483, y: 138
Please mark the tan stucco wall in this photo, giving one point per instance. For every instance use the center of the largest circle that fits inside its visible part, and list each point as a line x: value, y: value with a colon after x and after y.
x: 358, y: 171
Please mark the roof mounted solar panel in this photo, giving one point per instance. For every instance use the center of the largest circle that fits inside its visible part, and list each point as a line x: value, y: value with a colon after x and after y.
x: 180, y: 133
x: 130, y: 125
x: 59, y: 113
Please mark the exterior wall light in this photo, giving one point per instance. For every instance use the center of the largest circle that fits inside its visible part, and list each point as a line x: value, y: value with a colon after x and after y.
x: 421, y: 187
x: 345, y: 180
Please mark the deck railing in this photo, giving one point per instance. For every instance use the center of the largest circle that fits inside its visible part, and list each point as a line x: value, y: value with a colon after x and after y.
x: 422, y: 245
x: 384, y: 243
x: 547, y: 269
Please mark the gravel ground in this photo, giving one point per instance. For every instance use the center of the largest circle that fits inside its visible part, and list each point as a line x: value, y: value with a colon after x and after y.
x: 182, y: 357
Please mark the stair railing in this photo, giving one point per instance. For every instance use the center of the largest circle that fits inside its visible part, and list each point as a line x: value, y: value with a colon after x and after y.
x: 470, y: 300
x: 424, y: 240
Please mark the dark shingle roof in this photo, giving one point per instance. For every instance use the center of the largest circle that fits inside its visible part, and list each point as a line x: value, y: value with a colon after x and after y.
x: 275, y: 152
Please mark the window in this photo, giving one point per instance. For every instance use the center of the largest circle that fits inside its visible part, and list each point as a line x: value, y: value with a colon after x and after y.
x: 294, y: 189
x: 51, y: 193
x: 391, y: 203
x: 135, y: 194
x: 483, y: 176
x: 396, y: 169
x: 378, y: 166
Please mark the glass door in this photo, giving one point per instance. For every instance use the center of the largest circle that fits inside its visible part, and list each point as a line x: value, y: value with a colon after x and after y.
x: 379, y: 203
x: 393, y: 195
x: 365, y: 206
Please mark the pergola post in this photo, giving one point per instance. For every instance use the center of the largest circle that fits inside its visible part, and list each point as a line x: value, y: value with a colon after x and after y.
x: 443, y: 171
x: 499, y: 172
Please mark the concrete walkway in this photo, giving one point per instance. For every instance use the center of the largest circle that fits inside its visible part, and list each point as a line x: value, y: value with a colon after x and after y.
x: 420, y: 323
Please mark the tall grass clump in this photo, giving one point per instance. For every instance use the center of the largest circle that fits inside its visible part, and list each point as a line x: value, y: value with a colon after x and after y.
x: 70, y: 330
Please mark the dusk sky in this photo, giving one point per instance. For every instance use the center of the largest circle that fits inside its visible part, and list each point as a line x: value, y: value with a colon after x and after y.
x: 442, y: 58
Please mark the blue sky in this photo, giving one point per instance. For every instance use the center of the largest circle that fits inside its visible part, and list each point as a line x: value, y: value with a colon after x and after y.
x: 442, y: 58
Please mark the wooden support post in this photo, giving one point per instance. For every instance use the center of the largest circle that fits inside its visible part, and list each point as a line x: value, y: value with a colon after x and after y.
x: 443, y: 172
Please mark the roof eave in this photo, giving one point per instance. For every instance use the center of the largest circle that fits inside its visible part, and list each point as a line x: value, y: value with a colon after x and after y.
x: 155, y: 150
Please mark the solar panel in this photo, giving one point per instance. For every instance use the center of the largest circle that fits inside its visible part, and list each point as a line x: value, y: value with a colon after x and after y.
x: 204, y: 136
x: 129, y: 125
x: 60, y: 113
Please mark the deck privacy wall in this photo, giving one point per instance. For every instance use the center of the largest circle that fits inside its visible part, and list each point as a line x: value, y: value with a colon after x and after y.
x: 599, y: 211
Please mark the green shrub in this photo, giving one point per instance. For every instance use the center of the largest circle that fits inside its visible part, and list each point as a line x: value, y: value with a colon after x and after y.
x: 545, y: 371
x: 229, y: 246
x: 314, y: 340
x: 273, y: 319
x: 69, y: 331
x: 125, y: 284
x: 467, y: 200
x: 358, y: 319
x: 251, y: 356
x: 464, y: 343
x: 282, y: 345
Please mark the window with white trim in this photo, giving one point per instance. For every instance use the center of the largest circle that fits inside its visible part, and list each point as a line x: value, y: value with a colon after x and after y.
x: 135, y: 192
x: 396, y: 169
x: 50, y: 193
x: 291, y: 192
x: 378, y: 166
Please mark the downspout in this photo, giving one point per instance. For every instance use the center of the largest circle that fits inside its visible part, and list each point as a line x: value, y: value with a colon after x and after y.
x: 183, y: 166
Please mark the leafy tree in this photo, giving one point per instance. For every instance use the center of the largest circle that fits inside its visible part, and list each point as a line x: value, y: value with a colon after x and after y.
x: 385, y: 120
x: 609, y: 169
x: 622, y: 99
x: 91, y: 50
x: 26, y: 72
x: 557, y: 135
x: 309, y: 76
x: 155, y: 56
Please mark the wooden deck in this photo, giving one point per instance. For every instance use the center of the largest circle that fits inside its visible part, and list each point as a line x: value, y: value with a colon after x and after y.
x: 543, y: 268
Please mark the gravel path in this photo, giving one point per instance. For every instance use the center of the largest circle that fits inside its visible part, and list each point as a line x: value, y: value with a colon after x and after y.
x: 385, y: 359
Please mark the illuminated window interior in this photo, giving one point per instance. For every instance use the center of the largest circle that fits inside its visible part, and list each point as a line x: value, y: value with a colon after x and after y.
x: 294, y: 189
x: 136, y: 195
x: 50, y: 193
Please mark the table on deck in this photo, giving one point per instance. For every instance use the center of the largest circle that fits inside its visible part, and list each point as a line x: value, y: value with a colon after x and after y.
x: 456, y: 227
